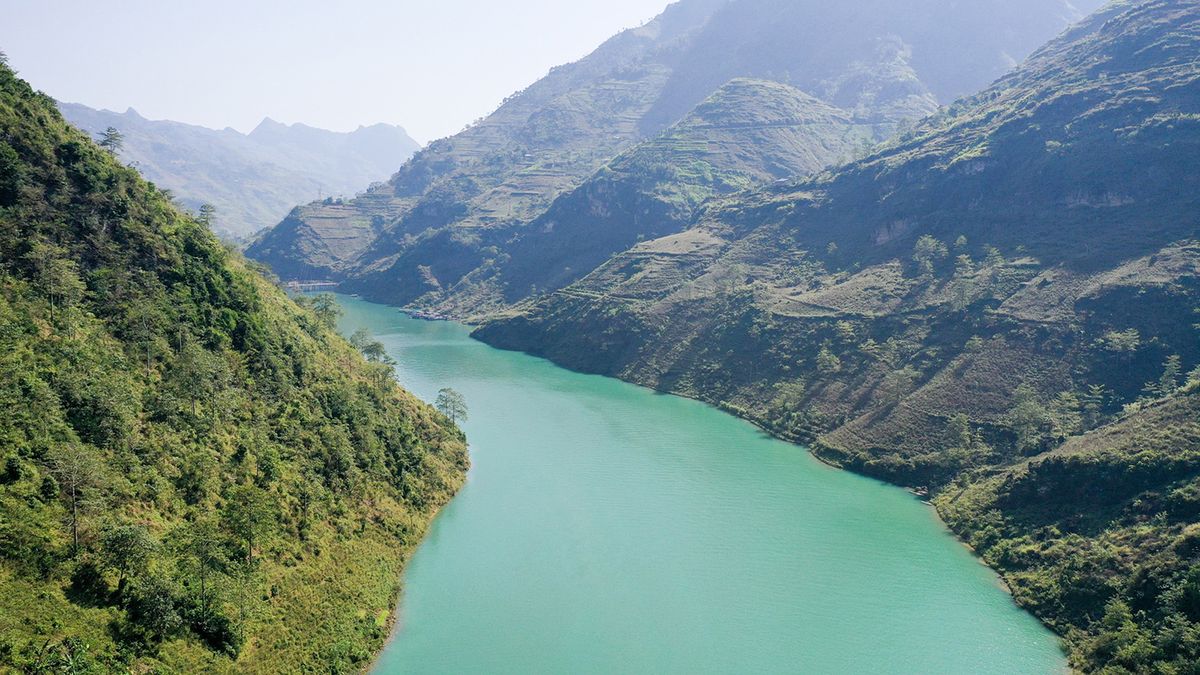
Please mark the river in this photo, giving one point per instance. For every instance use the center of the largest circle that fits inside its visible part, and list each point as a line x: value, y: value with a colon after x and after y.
x: 606, y: 528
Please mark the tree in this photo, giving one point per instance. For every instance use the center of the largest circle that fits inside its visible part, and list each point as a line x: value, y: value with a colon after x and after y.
x: 207, y: 216
x: 327, y: 309
x: 248, y: 515
x: 827, y: 361
x: 1121, y: 342
x: 376, y: 353
x: 1028, y: 418
x: 958, y: 434
x: 152, y: 609
x: 845, y: 331
x: 1091, y: 404
x: 992, y: 257
x: 1168, y: 383
x: 55, y: 272
x: 112, y: 140
x: 964, y: 283
x: 897, y: 384
x: 197, y: 373
x: 360, y: 339
x: 128, y: 550
x: 1066, y: 415
x: 927, y: 252
x: 452, y: 404
x: 203, y: 545
x: 77, y: 471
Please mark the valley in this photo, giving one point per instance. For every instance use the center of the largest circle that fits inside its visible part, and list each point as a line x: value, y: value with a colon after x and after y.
x: 940, y: 258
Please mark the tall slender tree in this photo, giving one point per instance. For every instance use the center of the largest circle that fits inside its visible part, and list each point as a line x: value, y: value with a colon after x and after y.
x: 77, y: 470
x: 112, y: 140
x: 452, y: 404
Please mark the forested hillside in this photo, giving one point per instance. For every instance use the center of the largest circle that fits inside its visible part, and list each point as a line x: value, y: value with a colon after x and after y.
x: 252, y: 179
x: 196, y: 473
x: 451, y: 218
x: 999, y: 307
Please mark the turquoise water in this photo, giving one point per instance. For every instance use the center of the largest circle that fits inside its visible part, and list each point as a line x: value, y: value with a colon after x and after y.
x: 609, y: 529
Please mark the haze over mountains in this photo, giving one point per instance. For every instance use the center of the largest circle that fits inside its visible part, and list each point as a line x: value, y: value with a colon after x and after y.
x: 252, y: 179
x: 430, y: 237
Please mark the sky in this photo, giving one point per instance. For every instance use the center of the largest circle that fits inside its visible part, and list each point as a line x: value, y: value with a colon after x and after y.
x: 431, y: 66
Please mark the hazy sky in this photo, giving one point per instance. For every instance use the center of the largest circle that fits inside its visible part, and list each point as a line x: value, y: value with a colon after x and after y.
x: 431, y: 66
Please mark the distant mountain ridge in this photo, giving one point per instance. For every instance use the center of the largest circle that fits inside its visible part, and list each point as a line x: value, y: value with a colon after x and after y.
x: 253, y: 179
x: 454, y: 210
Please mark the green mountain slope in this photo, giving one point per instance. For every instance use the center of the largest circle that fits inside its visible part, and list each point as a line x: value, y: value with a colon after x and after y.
x: 454, y: 210
x: 749, y: 133
x: 196, y: 473
x: 1009, y: 274
x: 253, y: 179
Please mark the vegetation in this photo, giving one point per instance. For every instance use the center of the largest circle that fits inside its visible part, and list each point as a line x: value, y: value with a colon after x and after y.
x: 196, y: 473
x: 1004, y: 319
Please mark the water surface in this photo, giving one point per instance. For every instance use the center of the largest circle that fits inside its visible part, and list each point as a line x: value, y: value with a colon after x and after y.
x: 609, y: 529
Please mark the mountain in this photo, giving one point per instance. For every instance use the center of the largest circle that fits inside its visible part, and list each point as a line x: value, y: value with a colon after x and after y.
x: 252, y: 179
x: 748, y: 133
x: 196, y: 473
x: 429, y: 236
x: 998, y: 307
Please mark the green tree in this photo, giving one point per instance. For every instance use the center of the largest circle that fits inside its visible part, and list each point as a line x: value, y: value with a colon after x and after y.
x: 197, y: 373
x: 452, y: 404
x: 845, y: 331
x: 1092, y: 403
x: 127, y: 549
x: 112, y: 140
x: 56, y: 273
x: 1066, y: 415
x: 360, y: 339
x: 827, y: 361
x: 77, y: 470
x: 897, y: 384
x: 927, y: 252
x: 248, y: 515
x: 992, y: 257
x: 204, y: 546
x: 376, y: 353
x: 153, y: 611
x: 1121, y: 342
x: 327, y: 309
x: 207, y: 216
x: 964, y: 282
x: 1168, y: 382
x: 1028, y: 418
x: 958, y: 433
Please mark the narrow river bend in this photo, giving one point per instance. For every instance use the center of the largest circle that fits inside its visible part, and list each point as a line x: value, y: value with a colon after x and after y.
x: 609, y: 529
